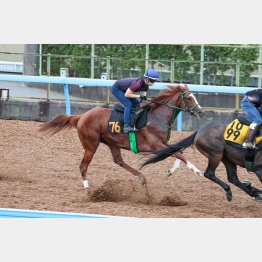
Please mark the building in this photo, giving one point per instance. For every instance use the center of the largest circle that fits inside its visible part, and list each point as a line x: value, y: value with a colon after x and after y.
x: 11, y: 53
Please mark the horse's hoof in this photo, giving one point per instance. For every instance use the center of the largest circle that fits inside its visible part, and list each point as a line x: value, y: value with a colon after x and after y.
x: 259, y: 199
x: 198, y: 173
x: 142, y: 179
x: 258, y: 191
x: 229, y: 196
x: 88, y: 194
x: 169, y: 173
x: 246, y: 182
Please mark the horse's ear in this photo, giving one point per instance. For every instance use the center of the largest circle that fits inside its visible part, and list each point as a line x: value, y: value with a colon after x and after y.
x: 186, y: 86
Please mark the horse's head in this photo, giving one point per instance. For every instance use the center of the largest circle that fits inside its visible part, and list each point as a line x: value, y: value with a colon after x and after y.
x: 188, y: 102
x: 178, y: 97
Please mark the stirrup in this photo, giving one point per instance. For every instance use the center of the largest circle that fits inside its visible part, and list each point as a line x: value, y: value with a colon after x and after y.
x: 135, y: 129
x: 128, y: 130
x: 249, y: 145
x: 131, y: 129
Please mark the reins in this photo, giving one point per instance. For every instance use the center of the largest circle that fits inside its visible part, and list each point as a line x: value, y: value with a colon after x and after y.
x: 176, y: 111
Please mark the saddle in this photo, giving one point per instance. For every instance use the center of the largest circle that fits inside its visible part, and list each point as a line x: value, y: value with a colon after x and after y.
x: 116, y: 119
x: 235, y: 135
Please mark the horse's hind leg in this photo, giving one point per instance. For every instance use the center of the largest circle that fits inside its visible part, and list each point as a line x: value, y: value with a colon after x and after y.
x: 88, y: 155
x: 172, y: 170
x: 117, y: 157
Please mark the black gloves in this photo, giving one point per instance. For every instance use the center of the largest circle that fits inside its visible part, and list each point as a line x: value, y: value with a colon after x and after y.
x: 143, y: 97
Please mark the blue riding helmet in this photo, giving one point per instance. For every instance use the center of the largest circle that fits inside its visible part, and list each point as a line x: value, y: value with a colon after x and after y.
x: 151, y: 74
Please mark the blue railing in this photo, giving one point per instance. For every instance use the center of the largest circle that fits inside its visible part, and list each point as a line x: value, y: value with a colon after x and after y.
x: 108, y: 83
x: 24, y: 213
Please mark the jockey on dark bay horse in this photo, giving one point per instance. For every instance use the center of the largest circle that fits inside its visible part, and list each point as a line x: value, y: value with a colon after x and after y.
x: 249, y: 104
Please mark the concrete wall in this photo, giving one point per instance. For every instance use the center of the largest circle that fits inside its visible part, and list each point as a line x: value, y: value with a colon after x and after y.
x: 43, y: 111
x: 191, y: 123
x: 99, y: 93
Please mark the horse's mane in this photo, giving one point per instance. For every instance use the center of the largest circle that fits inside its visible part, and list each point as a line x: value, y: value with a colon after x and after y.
x: 166, y: 95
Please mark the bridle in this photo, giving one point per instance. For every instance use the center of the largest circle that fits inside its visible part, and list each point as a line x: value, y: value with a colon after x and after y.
x: 176, y: 111
x: 187, y: 108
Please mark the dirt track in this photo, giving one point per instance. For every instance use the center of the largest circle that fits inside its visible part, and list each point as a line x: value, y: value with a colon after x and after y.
x: 42, y: 173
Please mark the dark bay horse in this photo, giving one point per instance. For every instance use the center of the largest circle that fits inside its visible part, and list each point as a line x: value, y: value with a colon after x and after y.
x: 92, y: 128
x: 209, y: 140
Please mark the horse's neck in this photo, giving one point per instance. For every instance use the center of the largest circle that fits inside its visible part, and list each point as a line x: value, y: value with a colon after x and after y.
x: 163, y: 114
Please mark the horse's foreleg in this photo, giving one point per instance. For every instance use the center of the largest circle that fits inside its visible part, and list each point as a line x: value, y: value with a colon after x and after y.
x: 253, y: 189
x: 117, y: 157
x: 232, y: 177
x: 176, y: 165
x: 259, y: 174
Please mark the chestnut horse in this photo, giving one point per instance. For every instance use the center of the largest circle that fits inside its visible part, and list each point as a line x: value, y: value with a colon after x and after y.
x: 92, y: 128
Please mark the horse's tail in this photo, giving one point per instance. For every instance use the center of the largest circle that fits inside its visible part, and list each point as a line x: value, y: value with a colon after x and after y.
x: 171, y: 149
x: 61, y: 122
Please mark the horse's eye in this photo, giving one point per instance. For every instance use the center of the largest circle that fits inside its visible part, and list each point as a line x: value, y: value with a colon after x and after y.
x: 189, y: 98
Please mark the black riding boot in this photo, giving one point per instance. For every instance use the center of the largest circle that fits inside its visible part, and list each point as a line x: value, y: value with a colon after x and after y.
x: 250, y: 137
x: 128, y: 128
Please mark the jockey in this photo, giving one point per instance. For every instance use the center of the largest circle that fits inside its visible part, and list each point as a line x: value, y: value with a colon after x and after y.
x: 249, y: 104
x: 124, y: 90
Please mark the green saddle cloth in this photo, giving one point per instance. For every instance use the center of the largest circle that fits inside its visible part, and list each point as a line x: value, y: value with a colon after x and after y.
x: 132, y: 142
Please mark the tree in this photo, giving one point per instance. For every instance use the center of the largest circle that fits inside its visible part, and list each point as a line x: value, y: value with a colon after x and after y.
x: 129, y: 60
